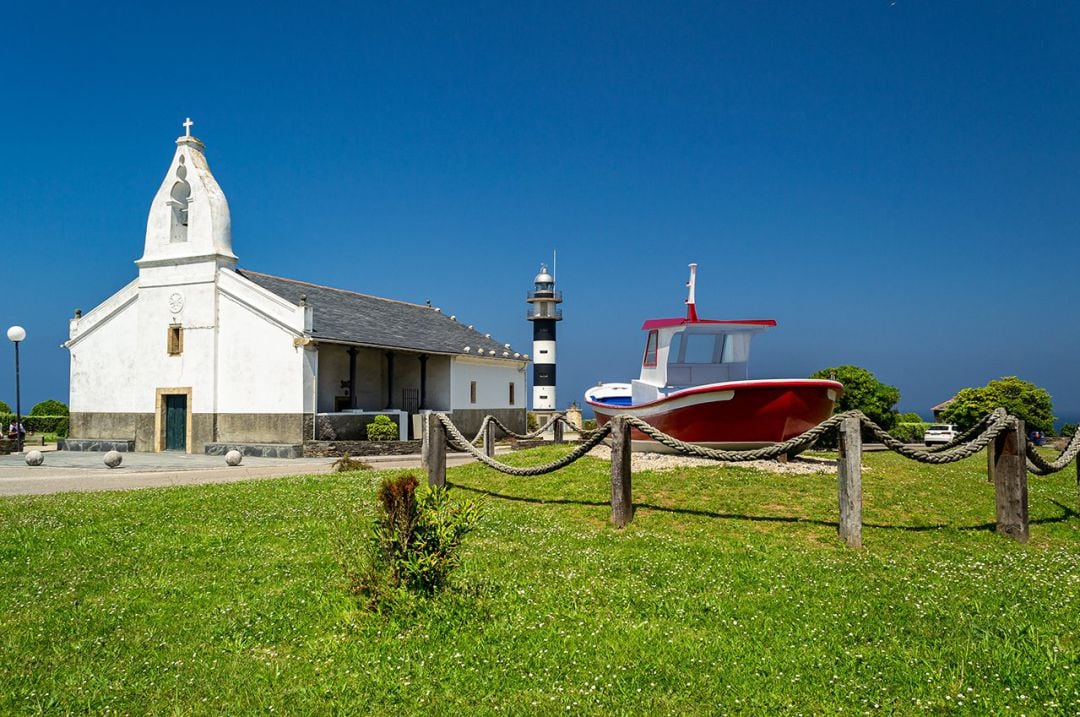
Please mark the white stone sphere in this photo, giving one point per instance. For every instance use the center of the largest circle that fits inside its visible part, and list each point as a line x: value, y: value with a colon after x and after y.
x: 35, y: 458
x: 113, y: 459
x: 233, y: 457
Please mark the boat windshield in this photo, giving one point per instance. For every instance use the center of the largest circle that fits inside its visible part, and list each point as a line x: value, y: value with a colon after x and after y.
x: 699, y: 348
x: 699, y: 357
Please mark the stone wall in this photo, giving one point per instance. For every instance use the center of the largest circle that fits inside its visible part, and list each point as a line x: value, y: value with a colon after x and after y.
x: 320, y: 449
x: 94, y: 445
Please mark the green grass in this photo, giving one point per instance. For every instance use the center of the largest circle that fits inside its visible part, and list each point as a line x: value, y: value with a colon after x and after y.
x: 729, y: 592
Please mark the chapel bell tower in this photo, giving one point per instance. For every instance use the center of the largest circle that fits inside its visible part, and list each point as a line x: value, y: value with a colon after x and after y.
x: 189, y: 217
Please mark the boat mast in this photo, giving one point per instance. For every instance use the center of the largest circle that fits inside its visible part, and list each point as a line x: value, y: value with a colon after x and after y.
x: 691, y: 309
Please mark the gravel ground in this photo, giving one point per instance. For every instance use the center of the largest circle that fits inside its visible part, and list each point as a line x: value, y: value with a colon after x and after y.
x: 666, y: 462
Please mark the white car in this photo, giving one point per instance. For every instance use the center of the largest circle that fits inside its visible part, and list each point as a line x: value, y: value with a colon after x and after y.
x: 940, y: 433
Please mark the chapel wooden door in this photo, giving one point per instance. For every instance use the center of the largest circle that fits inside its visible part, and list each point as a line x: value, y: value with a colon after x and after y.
x: 176, y: 422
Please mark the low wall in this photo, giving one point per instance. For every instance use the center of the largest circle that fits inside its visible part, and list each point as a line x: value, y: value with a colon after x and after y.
x: 258, y: 450
x: 349, y: 426
x: 102, y: 445
x: 335, y: 449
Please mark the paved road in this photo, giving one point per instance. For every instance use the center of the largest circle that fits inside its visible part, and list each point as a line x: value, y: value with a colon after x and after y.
x: 67, y: 471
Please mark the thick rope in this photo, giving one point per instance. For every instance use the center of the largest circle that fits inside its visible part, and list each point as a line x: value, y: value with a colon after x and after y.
x: 520, y: 436
x: 963, y: 447
x: 1040, y: 466
x: 967, y: 435
x: 583, y: 432
x: 457, y: 440
x: 996, y: 422
x: 803, y: 440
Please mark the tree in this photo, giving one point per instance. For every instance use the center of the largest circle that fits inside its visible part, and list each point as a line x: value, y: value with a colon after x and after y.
x: 1022, y: 399
x: 1068, y: 430
x: 4, y: 408
x: 49, y: 407
x: 864, y: 392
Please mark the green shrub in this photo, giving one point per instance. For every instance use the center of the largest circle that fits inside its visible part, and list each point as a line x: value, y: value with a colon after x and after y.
x: 49, y: 407
x: 382, y: 428
x: 909, y: 432
x: 5, y: 409
x: 1068, y: 430
x: 589, y: 424
x: 39, y: 424
x: 414, y: 542
x: 531, y: 422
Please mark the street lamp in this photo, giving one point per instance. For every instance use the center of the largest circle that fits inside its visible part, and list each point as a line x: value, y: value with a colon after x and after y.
x: 16, y: 334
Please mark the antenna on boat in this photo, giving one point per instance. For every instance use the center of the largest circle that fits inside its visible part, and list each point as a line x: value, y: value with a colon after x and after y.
x: 691, y: 309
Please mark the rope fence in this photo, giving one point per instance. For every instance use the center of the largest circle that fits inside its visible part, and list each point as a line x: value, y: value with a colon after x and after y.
x: 1009, y: 458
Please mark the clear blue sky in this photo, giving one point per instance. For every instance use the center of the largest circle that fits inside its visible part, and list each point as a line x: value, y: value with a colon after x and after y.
x: 898, y: 184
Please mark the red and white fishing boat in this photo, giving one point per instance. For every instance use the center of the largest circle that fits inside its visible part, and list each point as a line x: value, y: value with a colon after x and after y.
x: 695, y: 386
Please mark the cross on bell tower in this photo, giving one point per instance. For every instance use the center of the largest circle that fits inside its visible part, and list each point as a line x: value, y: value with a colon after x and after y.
x: 187, y: 127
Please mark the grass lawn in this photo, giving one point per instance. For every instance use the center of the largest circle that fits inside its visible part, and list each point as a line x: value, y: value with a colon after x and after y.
x: 729, y: 592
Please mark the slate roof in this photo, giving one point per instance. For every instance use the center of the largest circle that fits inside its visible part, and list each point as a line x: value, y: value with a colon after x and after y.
x: 349, y: 317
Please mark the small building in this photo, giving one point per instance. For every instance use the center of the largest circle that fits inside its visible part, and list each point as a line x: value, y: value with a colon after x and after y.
x: 937, y: 410
x: 198, y: 355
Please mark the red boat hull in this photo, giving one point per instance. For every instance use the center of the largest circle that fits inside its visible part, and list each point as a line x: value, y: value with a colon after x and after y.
x: 734, y: 415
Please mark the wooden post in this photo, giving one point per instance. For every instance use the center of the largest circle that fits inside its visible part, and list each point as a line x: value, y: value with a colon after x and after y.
x: 991, y: 458
x: 489, y: 439
x: 849, y: 480
x: 622, y: 504
x: 433, y: 450
x: 558, y: 431
x: 1010, y: 482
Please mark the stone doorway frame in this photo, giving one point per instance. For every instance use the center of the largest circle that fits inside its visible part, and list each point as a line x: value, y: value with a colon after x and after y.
x: 159, y: 417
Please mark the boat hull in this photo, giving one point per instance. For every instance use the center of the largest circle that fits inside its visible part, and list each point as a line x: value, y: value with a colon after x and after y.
x: 734, y: 415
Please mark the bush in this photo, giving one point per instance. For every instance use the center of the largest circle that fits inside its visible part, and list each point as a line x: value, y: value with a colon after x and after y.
x: 5, y: 409
x: 414, y: 542
x: 909, y: 432
x: 1068, y: 430
x: 39, y: 424
x: 589, y: 424
x: 864, y: 392
x: 49, y: 407
x: 382, y: 429
x: 1022, y: 399
x: 531, y: 422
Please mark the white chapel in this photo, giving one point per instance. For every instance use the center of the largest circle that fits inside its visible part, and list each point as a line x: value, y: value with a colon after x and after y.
x: 199, y: 355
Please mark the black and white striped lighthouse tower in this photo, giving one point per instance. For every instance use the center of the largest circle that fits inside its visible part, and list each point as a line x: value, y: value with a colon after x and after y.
x: 543, y: 313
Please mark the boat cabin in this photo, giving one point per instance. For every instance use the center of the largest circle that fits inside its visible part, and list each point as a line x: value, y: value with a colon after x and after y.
x: 686, y: 352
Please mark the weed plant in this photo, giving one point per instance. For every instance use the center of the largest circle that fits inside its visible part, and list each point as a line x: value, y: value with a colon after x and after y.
x: 414, y: 545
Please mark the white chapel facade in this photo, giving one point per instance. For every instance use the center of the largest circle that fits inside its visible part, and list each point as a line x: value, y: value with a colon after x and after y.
x: 196, y: 354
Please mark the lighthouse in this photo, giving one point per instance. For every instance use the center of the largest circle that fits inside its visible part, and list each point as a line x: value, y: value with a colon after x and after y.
x: 543, y: 312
